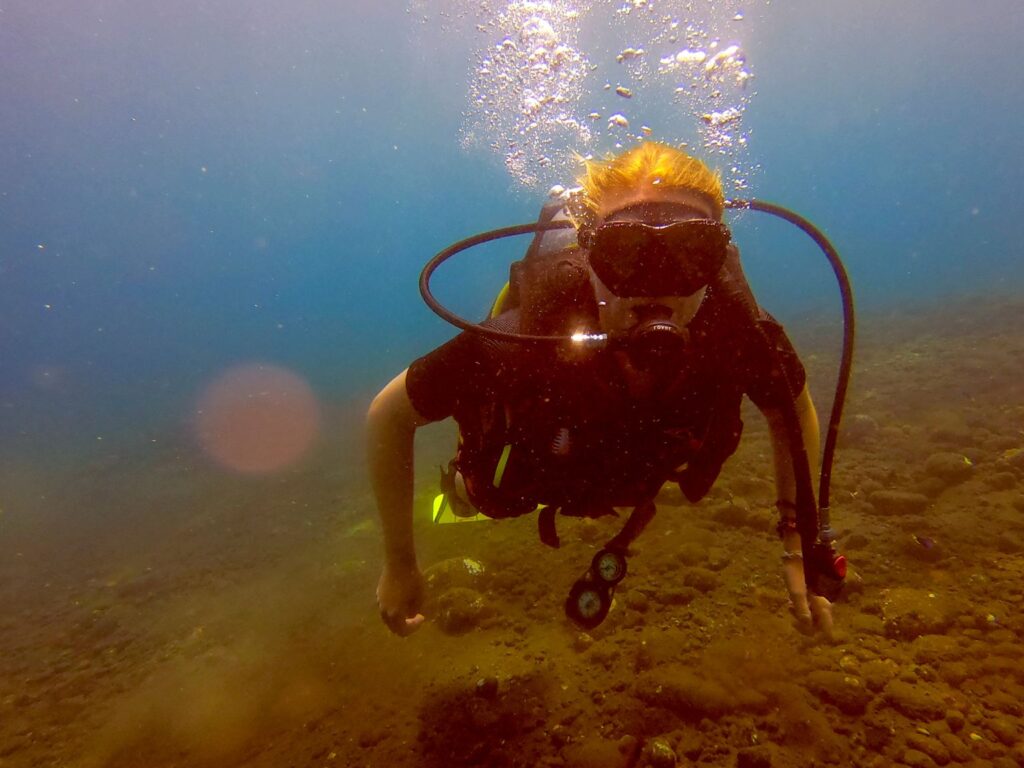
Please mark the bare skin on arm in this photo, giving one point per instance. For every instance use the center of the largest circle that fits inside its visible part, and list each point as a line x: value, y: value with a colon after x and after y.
x: 814, y: 608
x: 391, y: 425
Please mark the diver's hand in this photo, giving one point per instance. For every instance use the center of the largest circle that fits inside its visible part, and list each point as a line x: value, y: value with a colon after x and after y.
x: 811, y: 612
x: 399, y: 597
x: 821, y: 614
x: 793, y: 576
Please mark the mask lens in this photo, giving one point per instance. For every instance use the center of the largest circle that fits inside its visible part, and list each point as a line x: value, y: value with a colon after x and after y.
x: 636, y: 259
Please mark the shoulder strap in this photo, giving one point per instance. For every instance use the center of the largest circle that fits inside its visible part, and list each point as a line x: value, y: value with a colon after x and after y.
x: 731, y: 284
x: 551, y: 283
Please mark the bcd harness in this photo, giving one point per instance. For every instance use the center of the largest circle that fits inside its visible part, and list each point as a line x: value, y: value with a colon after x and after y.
x: 533, y: 447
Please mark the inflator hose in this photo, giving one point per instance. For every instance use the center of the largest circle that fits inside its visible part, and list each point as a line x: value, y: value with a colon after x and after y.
x: 464, y: 245
x: 846, y: 358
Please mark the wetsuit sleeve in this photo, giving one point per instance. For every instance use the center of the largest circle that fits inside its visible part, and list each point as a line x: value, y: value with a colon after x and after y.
x: 443, y: 381
x: 760, y: 373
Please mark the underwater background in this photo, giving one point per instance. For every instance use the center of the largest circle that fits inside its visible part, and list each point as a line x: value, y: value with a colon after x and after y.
x: 189, y: 186
x: 204, y: 202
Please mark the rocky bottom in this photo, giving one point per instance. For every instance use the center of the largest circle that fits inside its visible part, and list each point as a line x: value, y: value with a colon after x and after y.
x: 239, y: 628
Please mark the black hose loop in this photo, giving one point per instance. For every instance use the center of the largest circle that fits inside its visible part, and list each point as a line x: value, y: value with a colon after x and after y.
x: 464, y: 245
x: 846, y: 358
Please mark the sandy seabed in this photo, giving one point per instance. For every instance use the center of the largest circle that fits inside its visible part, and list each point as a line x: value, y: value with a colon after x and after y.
x: 155, y: 611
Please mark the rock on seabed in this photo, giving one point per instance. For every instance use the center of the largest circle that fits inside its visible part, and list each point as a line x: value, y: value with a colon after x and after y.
x: 908, y: 613
x: 898, y: 502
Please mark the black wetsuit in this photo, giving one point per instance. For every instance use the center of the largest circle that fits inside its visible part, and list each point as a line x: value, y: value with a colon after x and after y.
x: 538, y: 427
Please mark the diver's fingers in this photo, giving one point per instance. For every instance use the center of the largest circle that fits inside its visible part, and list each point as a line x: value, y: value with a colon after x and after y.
x: 821, y: 610
x: 798, y: 605
x: 399, y: 624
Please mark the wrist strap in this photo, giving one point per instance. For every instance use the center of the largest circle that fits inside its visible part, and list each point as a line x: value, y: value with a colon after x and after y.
x: 787, y: 518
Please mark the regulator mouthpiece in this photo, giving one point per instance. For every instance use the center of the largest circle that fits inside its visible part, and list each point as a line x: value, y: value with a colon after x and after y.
x: 656, y: 340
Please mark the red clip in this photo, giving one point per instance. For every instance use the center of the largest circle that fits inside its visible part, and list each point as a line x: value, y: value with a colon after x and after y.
x: 839, y: 566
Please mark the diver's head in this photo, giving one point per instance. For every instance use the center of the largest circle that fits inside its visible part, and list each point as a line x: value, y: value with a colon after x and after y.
x: 650, y: 167
x: 655, y: 240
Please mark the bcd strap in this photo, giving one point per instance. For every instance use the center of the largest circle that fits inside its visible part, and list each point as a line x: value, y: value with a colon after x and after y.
x: 635, y: 524
x: 641, y: 515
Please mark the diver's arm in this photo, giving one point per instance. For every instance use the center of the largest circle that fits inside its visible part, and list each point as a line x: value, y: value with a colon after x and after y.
x: 391, y: 424
x: 785, y: 477
x: 785, y: 486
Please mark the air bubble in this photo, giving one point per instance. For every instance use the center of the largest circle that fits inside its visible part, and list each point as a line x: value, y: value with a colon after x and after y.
x: 727, y: 57
x: 629, y: 54
x: 538, y: 29
x: 524, y: 98
x: 725, y: 117
x: 536, y: 99
x: 690, y: 57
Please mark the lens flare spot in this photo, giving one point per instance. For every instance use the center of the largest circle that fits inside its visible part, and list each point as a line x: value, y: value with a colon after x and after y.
x: 257, y: 418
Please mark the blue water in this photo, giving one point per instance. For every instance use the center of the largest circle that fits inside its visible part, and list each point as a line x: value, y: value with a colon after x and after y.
x: 187, y: 185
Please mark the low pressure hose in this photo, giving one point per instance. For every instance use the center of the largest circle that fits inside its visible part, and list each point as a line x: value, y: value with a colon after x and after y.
x: 846, y: 358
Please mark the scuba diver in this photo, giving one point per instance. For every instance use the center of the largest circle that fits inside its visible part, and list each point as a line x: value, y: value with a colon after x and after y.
x: 614, y: 361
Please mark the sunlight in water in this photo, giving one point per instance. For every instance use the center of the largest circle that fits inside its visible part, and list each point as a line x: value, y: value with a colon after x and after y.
x: 257, y: 418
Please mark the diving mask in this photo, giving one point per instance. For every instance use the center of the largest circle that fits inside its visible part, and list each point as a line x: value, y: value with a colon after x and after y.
x: 637, y: 259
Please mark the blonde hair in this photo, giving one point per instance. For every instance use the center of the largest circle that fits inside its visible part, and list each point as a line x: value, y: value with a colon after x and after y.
x: 649, y: 164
